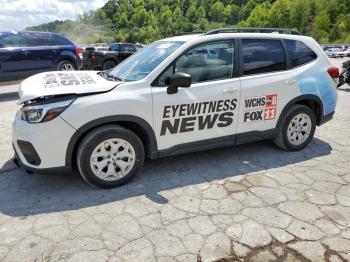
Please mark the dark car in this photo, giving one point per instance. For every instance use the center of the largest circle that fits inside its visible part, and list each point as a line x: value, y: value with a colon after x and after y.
x: 26, y: 53
x: 105, y: 59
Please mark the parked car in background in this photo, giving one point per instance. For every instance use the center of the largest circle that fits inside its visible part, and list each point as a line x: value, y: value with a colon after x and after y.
x: 106, y: 58
x: 26, y: 53
x: 337, y: 52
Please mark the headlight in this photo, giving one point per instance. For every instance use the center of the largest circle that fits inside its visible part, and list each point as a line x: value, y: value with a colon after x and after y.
x: 44, y: 112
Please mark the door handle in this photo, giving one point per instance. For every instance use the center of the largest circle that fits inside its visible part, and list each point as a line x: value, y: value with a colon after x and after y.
x: 229, y: 91
x: 290, y: 82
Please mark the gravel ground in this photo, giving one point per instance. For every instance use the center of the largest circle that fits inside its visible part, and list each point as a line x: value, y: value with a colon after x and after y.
x: 252, y: 202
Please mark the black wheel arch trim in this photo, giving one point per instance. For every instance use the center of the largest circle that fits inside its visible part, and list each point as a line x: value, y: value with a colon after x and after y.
x: 296, y: 100
x: 151, y: 146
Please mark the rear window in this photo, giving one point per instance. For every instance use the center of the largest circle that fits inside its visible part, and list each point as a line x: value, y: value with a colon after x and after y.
x: 299, y: 53
x: 60, y: 40
x: 263, y: 56
x: 40, y: 40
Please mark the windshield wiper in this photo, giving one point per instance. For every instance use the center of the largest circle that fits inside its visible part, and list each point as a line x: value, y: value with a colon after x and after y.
x: 114, y: 77
x: 107, y: 75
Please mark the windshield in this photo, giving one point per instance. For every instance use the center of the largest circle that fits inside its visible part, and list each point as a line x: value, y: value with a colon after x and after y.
x: 144, y: 61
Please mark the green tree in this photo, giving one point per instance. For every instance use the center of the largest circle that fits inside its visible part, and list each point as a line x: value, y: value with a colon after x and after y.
x: 217, y: 12
x: 280, y: 14
x: 260, y: 16
x: 148, y: 20
x: 191, y: 14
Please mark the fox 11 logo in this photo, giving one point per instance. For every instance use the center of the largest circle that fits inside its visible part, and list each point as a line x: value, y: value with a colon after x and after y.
x: 260, y: 108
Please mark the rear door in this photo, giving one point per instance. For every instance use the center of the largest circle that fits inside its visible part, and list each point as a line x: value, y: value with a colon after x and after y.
x: 14, y: 57
x: 267, y: 85
x: 42, y: 51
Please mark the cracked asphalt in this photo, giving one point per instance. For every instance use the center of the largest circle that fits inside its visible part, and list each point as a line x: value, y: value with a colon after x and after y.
x: 252, y: 202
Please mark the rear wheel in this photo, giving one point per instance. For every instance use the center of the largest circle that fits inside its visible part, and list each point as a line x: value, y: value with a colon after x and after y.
x: 297, y: 129
x: 66, y: 66
x: 108, y: 65
x: 110, y: 156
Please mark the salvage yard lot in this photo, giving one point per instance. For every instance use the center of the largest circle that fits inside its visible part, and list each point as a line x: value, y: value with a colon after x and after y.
x: 251, y: 202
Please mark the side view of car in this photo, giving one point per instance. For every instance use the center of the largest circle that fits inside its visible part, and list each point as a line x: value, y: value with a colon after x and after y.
x: 337, y: 52
x: 26, y: 53
x: 105, y: 59
x: 177, y: 95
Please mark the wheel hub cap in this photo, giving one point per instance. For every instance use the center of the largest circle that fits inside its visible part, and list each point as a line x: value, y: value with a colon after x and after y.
x: 299, y: 129
x: 112, y: 159
x: 67, y: 67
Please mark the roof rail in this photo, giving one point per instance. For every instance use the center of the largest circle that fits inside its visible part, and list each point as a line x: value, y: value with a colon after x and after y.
x: 188, y: 33
x: 252, y: 29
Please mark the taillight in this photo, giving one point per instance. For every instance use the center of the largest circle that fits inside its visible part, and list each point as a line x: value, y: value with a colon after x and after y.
x: 77, y: 52
x: 93, y: 56
x: 333, y: 72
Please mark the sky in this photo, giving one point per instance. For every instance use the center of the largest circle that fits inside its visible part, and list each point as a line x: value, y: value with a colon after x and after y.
x: 19, y: 14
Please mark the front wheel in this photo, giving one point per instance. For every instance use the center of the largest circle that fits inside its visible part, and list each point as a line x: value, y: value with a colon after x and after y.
x: 110, y: 156
x: 297, y: 129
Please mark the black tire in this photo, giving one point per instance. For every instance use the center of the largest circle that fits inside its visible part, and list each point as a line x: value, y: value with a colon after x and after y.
x: 282, y: 140
x: 108, y: 65
x: 99, y: 135
x: 65, y: 64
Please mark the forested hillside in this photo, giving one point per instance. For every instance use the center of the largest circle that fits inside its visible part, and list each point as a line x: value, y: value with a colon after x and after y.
x: 147, y: 20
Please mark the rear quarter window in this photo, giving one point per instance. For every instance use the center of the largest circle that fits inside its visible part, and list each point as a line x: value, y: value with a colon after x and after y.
x: 60, y: 40
x: 262, y: 56
x: 299, y: 53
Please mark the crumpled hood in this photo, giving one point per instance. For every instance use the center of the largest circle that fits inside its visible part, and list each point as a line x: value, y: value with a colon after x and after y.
x: 59, y: 83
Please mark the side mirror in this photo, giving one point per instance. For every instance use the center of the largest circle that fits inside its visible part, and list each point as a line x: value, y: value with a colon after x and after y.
x: 178, y: 80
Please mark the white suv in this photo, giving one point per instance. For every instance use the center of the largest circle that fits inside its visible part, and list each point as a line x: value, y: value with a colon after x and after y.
x: 177, y: 95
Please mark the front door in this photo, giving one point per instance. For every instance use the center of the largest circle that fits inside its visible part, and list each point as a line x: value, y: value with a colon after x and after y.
x: 206, y: 110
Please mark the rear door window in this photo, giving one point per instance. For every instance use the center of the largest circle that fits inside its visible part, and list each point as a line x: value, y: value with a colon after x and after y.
x: 40, y: 40
x: 262, y: 56
x: 129, y: 48
x: 299, y: 53
x: 13, y: 41
x: 114, y: 47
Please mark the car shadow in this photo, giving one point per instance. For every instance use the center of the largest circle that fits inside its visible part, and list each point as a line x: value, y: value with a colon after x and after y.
x: 23, y: 194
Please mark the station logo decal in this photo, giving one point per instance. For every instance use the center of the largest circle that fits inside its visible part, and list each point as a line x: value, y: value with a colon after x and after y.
x: 63, y: 79
x: 197, y: 116
x: 260, y: 108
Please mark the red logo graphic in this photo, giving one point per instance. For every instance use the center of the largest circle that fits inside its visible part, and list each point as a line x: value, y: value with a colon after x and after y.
x: 270, y: 113
x: 271, y: 100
